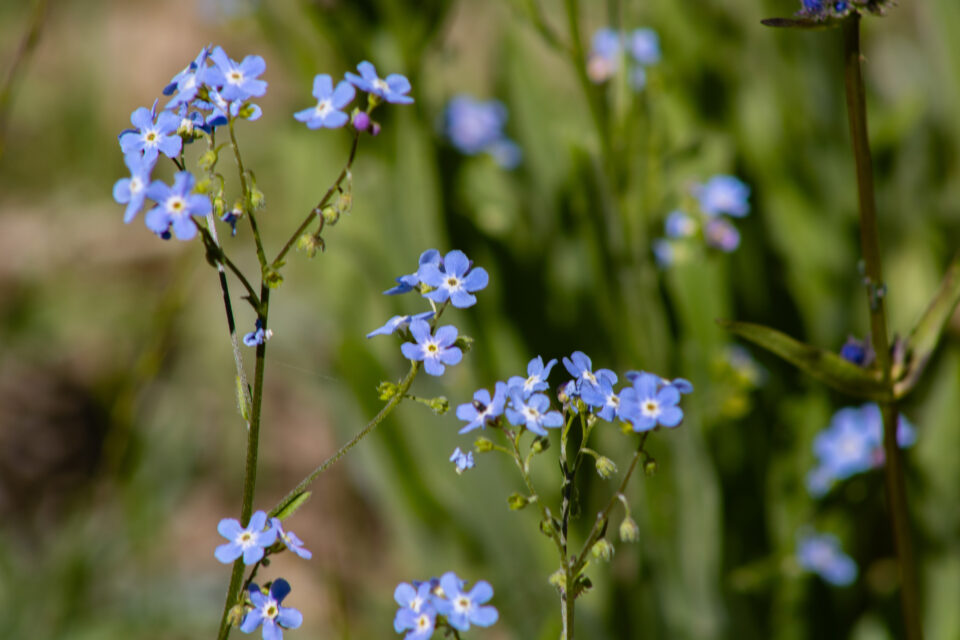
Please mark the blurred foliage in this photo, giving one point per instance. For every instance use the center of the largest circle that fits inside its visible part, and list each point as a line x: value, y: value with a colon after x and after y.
x: 121, y: 443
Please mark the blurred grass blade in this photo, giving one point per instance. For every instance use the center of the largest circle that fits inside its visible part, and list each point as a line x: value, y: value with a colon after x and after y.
x: 802, y: 23
x: 823, y: 365
x: 926, y: 334
x: 292, y: 505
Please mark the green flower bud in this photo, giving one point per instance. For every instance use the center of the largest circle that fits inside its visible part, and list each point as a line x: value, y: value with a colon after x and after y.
x: 464, y: 342
x: 602, y: 550
x: 440, y: 405
x: 558, y: 579
x: 482, y: 445
x: 236, y: 615
x: 202, y: 185
x: 517, y: 501
x: 606, y: 467
x: 546, y: 528
x: 540, y: 444
x: 207, y: 160
x: 310, y: 244
x: 387, y: 390
x: 257, y: 199
x: 272, y: 278
x: 345, y: 202
x: 330, y: 216
x: 629, y: 531
x: 650, y: 467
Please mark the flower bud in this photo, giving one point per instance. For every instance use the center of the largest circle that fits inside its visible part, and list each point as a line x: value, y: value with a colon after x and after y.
x: 606, y: 467
x: 345, y: 202
x: 387, y: 390
x: 465, y: 343
x: 629, y: 531
x: 650, y: 467
x: 310, y: 244
x: 207, y: 160
x: 517, y: 501
x: 540, y: 444
x: 257, y: 199
x: 236, y: 615
x: 440, y: 405
x: 330, y: 216
x: 483, y: 445
x: 558, y: 579
x: 602, y: 550
x: 361, y: 121
x: 374, y: 128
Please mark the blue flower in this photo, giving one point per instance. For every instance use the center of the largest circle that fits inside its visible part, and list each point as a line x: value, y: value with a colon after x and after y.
x: 580, y: 367
x: 290, y: 540
x: 453, y: 280
x: 483, y: 409
x: 235, y: 81
x: 187, y: 83
x: 536, y: 379
x: 604, y: 57
x: 821, y: 554
x: 812, y: 6
x: 175, y: 206
x: 393, y: 89
x: 663, y: 252
x: 720, y: 234
x: 133, y: 190
x: 417, y: 613
x: 679, y: 225
x: 221, y: 107
x: 268, y: 611
x: 475, y: 126
x: 330, y: 103
x: 258, y: 335
x: 465, y: 608
x: 154, y: 134
x: 433, y: 350
x: 649, y: 402
x: 644, y: 46
x: 248, y: 542
x: 533, y: 413
x: 463, y: 460
x: 396, y: 323
x: 602, y: 397
x: 723, y: 195
x: 411, y: 281
x: 682, y: 385
x: 859, y: 352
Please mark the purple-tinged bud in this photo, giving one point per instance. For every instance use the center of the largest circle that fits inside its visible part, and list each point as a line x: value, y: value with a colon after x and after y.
x: 374, y: 128
x: 361, y: 121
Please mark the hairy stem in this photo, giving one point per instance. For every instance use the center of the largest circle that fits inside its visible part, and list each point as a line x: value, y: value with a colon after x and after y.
x: 870, y: 246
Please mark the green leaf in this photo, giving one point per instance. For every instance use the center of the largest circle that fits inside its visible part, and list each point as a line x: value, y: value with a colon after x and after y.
x: 290, y: 507
x: 923, y: 339
x: 826, y: 366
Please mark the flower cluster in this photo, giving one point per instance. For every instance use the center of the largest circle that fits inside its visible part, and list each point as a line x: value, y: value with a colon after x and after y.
x: 852, y: 444
x: 648, y: 401
x: 821, y: 554
x: 607, y: 50
x: 450, y: 279
x: 442, y: 603
x: 705, y: 220
x: 254, y: 543
x: 212, y: 91
x: 476, y: 126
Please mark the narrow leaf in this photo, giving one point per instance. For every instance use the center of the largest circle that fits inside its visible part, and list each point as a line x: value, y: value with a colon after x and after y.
x: 923, y: 339
x: 290, y: 507
x: 826, y: 366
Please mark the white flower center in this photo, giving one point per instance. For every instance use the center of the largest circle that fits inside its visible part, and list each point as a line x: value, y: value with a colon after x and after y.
x: 136, y: 185
x: 271, y: 610
x: 416, y: 603
x: 531, y: 413
x: 588, y: 375
x: 529, y: 382
x: 245, y: 539
x: 381, y: 85
x: 613, y: 400
x: 151, y: 137
x: 176, y: 205
x: 650, y: 408
x: 324, y: 107
x: 235, y: 77
x: 423, y: 622
x: 462, y: 604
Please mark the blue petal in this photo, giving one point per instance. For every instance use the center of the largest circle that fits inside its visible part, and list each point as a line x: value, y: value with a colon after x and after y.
x: 251, y: 621
x: 290, y: 618
x: 227, y: 553
x: 484, y: 616
x: 279, y: 589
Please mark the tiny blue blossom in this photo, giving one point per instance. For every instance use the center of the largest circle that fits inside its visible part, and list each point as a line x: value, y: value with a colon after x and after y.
x: 720, y: 234
x: 417, y: 613
x: 603, y: 398
x: 723, y: 194
x: 581, y: 368
x: 185, y: 85
x: 644, y: 46
x: 476, y: 126
x: 533, y: 413
x: 454, y: 279
x: 268, y: 611
x: 411, y: 282
x: 236, y: 81
x: 153, y: 134
x: 259, y: 335
x: 330, y: 104
x: 663, y: 252
x: 859, y: 352
x: 604, y: 57
x: 463, y: 460
x: 133, y: 190
x: 679, y: 225
x: 536, y: 379
x: 649, y: 402
x: 465, y: 608
x: 396, y: 323
x: 290, y: 540
x: 248, y: 542
x: 393, y: 89
x: 483, y: 409
x: 821, y: 554
x: 175, y: 207
x: 433, y: 350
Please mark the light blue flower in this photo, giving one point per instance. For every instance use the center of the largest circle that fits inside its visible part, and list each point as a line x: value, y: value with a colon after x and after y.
x: 602, y: 398
x: 290, y: 540
x: 536, y: 379
x: 533, y: 413
x: 821, y: 554
x: 411, y: 281
x: 248, y: 542
x: 259, y: 335
x: 175, y: 207
x: 433, y: 350
x: 720, y: 234
x: 463, y: 460
x: 644, y: 46
x: 133, y: 190
x: 236, y: 81
x: 185, y: 85
x: 476, y: 126
x: 330, y: 104
x: 417, y: 613
x: 483, y: 409
x: 396, y: 323
x: 723, y: 194
x: 453, y: 279
x: 679, y: 225
x: 604, y: 57
x: 465, y: 608
x: 649, y: 403
x: 267, y: 611
x: 580, y: 367
x: 393, y: 89
x: 153, y: 134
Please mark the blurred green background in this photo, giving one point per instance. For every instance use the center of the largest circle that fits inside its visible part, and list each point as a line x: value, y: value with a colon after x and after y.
x: 120, y: 444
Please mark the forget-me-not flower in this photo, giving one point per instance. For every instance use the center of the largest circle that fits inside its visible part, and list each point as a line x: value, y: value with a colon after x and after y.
x: 463, y: 460
x: 259, y: 335
x: 417, y: 613
x: 175, y: 206
x: 821, y: 554
x: 644, y: 46
x: 483, y: 409
x: 154, y: 134
x: 476, y: 126
x: 396, y: 323
x: 465, y: 608
x: 290, y: 540
x: 393, y: 89
x: 454, y: 279
x: 433, y: 350
x: 411, y: 281
x: 604, y: 57
x: 720, y: 234
x: 268, y: 611
x: 330, y: 104
x: 723, y: 194
x: 649, y: 402
x: 533, y: 413
x: 536, y: 379
x: 133, y: 190
x: 235, y: 80
x: 185, y: 85
x: 248, y: 542
x: 580, y: 367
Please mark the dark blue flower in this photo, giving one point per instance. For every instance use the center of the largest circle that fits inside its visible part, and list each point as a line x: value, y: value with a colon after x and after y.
x: 153, y: 134
x: 268, y: 611
x: 259, y: 335
x: 248, y: 542
x: 723, y: 194
x: 411, y: 281
x: 821, y: 554
x: 393, y: 89
x: 433, y: 350
x: 235, y: 80
x: 483, y: 409
x: 453, y: 279
x: 533, y: 413
x: 290, y: 540
x: 133, y: 190
x: 330, y: 103
x: 859, y: 352
x: 175, y: 206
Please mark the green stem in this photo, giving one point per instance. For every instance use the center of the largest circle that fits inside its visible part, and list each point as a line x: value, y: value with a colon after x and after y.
x: 250, y: 468
x: 317, y: 210
x: 870, y: 246
x: 326, y: 464
x: 245, y: 190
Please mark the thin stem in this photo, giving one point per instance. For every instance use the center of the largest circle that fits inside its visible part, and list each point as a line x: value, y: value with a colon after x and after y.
x: 579, y: 561
x: 250, y: 468
x: 27, y: 45
x: 528, y: 482
x: 367, y: 430
x: 245, y: 190
x: 222, y: 259
x: 317, y: 210
x: 870, y: 246
x: 579, y: 60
